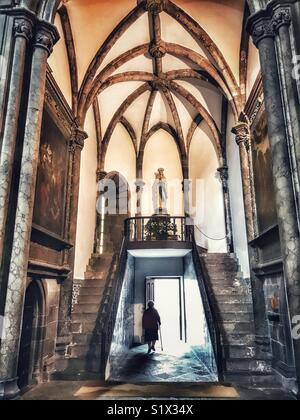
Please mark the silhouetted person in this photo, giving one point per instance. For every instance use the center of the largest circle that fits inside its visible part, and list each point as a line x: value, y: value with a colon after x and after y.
x: 151, y: 325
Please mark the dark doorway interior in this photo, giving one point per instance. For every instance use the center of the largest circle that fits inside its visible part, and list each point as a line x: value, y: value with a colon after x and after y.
x: 30, y: 347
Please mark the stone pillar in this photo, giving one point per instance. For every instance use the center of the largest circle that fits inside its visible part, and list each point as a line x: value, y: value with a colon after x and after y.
x: 242, y: 133
x: 22, y: 32
x: 65, y: 305
x: 262, y: 30
x: 46, y: 36
x: 281, y: 25
x: 224, y: 176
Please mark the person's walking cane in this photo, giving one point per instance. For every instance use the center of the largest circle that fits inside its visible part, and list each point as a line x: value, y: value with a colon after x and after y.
x: 161, y: 340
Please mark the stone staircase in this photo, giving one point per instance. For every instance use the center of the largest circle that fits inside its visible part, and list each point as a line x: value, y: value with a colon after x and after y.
x: 83, y: 357
x: 233, y: 306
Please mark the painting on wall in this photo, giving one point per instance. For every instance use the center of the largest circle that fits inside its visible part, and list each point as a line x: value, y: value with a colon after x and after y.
x: 263, y: 176
x: 49, y: 210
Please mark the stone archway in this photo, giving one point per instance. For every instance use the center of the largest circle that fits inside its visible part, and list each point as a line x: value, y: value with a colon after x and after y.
x: 30, y: 354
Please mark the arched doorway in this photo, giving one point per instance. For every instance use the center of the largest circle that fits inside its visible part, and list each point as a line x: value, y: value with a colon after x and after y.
x: 29, y: 367
x: 114, y: 210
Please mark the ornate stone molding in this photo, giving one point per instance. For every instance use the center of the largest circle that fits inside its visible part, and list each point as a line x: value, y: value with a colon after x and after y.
x: 161, y: 84
x: 224, y: 176
x: 281, y: 17
x: 155, y: 6
x: 261, y: 29
x: 242, y: 133
x: 23, y: 28
x: 77, y: 140
x: 46, y: 37
x: 100, y: 175
x: 158, y: 50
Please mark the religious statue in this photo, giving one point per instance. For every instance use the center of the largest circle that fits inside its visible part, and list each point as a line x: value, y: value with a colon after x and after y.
x: 160, y: 193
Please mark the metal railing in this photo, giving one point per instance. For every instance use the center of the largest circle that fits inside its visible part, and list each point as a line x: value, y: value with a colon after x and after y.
x: 157, y: 228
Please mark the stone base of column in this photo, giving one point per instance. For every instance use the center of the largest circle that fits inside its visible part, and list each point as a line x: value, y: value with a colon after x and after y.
x: 9, y: 390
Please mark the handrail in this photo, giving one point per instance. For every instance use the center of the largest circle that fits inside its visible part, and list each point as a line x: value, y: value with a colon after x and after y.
x: 157, y: 228
x: 211, y: 319
x: 111, y: 303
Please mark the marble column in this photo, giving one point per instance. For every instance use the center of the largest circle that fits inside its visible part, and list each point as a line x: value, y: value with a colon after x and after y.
x: 22, y: 32
x: 46, y: 36
x: 242, y: 133
x: 224, y: 176
x: 261, y: 27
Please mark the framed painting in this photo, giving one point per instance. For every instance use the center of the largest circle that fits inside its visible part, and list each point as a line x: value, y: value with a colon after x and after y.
x: 263, y: 175
x: 49, y: 210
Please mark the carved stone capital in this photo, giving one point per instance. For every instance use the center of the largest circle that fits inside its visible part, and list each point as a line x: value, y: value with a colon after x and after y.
x: 261, y: 28
x: 224, y: 174
x: 77, y: 140
x: 100, y: 175
x: 23, y: 28
x: 155, y: 6
x: 281, y: 17
x: 242, y: 134
x: 46, y: 37
x: 158, y: 50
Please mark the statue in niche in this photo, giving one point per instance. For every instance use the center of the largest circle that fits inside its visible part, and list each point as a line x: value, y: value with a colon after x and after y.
x: 160, y: 193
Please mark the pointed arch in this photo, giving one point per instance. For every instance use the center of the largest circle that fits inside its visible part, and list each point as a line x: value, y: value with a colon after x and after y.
x: 170, y: 130
x: 103, y: 51
x: 130, y: 130
x: 118, y: 115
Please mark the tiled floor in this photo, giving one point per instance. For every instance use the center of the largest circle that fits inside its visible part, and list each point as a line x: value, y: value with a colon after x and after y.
x: 92, y: 391
x: 182, y: 365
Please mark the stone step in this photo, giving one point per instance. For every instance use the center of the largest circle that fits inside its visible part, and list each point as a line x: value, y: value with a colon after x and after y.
x: 95, y: 275
x: 234, y: 298
x: 86, y: 327
x: 80, y: 317
x: 91, y: 298
x: 237, y: 327
x: 239, y: 351
x: 236, y: 316
x: 250, y: 366
x: 247, y: 379
x: 93, y: 290
x: 230, y: 290
x: 234, y: 307
x: 237, y: 339
x: 86, y: 308
x: 82, y: 339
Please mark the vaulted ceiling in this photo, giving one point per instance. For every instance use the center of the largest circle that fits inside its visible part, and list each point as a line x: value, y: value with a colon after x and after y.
x: 155, y: 64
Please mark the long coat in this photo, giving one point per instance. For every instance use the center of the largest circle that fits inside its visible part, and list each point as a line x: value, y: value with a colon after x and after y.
x: 151, y: 319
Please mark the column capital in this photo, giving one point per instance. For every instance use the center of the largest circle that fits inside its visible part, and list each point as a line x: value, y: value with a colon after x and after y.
x: 77, y: 139
x: 260, y: 26
x: 23, y: 27
x: 281, y: 17
x: 242, y: 134
x: 46, y: 36
x: 100, y: 175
